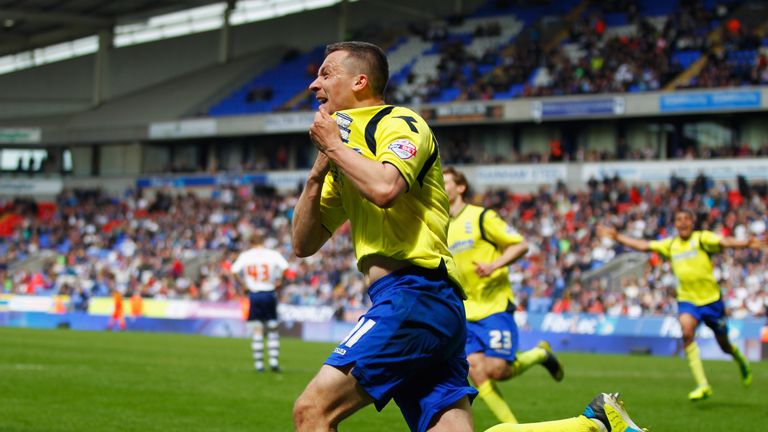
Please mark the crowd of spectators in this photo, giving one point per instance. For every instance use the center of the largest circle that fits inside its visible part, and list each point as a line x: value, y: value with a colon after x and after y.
x: 594, y: 59
x: 615, y: 46
x: 737, y: 60
x: 560, y: 225
x: 180, y: 246
x: 457, y: 67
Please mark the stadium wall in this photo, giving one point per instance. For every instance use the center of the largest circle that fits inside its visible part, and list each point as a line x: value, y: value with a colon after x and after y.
x: 652, y: 335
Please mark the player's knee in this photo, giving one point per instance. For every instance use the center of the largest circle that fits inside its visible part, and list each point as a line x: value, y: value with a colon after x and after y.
x: 498, y: 371
x: 476, y: 366
x: 688, y: 337
x: 305, y: 414
x: 500, y: 375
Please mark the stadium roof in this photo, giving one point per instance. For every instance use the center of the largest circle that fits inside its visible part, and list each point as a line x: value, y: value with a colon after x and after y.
x: 30, y: 24
x: 38, y: 32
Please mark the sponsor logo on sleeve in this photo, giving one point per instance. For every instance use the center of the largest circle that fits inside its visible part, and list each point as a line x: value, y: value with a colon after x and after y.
x: 403, y: 148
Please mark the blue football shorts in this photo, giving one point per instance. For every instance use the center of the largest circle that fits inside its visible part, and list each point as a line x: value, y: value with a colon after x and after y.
x: 409, y: 346
x: 494, y: 336
x: 262, y: 306
x: 712, y: 314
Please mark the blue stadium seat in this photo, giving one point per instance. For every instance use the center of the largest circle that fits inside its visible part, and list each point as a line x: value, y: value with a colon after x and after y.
x: 615, y: 19
x: 285, y: 80
x: 686, y: 58
x: 513, y: 91
x: 742, y: 58
x: 447, y: 95
x: 657, y: 7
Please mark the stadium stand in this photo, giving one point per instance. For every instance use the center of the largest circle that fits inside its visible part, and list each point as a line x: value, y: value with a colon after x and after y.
x: 498, y: 53
x: 180, y: 246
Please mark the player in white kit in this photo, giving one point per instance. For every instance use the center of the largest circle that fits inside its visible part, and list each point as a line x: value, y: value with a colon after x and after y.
x: 260, y: 271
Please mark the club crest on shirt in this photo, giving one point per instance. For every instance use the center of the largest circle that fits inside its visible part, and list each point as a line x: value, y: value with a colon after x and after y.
x: 403, y: 148
x: 344, y: 120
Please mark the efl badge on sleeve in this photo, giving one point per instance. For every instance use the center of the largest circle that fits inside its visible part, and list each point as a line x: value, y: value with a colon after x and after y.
x: 403, y: 148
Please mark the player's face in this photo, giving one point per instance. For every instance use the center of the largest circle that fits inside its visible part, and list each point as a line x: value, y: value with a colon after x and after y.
x: 683, y: 224
x: 334, y: 83
x: 451, y: 189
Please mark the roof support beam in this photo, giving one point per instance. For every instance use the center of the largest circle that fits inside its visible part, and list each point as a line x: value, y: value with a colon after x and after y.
x: 44, y: 39
x: 54, y: 17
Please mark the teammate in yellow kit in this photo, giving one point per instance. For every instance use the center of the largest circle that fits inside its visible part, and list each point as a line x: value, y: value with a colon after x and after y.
x: 483, y: 246
x: 698, y: 294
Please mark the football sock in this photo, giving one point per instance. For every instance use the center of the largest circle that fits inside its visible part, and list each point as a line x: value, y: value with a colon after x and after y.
x: 694, y: 362
x: 742, y: 361
x: 574, y: 424
x: 490, y: 394
x: 526, y: 359
x: 273, y: 343
x: 257, y: 346
x: 738, y: 356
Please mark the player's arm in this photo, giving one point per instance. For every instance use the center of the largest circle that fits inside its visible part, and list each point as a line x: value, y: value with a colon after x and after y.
x: 634, y: 243
x: 752, y: 243
x: 280, y: 283
x: 501, y: 235
x: 511, y: 254
x: 234, y: 271
x: 309, y: 234
x: 380, y: 183
x: 282, y: 265
x: 240, y: 283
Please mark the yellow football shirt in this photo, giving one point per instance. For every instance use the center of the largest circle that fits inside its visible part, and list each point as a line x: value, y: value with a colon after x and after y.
x: 415, y: 228
x: 692, y: 265
x: 471, y: 240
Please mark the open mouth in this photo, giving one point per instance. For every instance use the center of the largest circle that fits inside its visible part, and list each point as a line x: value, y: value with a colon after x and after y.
x: 322, y: 100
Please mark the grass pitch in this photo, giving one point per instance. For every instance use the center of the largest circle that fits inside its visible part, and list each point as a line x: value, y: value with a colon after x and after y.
x: 61, y: 380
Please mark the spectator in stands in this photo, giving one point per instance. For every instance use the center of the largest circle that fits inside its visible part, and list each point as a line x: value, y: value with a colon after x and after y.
x: 148, y: 229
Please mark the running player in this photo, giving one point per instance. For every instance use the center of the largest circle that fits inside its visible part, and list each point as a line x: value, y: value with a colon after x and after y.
x: 698, y: 294
x: 483, y: 246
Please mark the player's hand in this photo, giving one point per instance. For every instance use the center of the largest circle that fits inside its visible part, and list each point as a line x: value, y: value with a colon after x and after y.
x: 757, y: 243
x: 483, y: 269
x: 604, y: 231
x: 324, y: 132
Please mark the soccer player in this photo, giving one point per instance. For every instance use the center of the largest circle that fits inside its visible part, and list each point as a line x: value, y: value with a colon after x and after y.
x: 378, y: 167
x: 260, y: 270
x: 118, y: 312
x: 698, y: 294
x: 483, y: 246
x: 137, y: 305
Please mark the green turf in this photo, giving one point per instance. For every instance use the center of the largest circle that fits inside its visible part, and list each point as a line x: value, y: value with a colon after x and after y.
x: 61, y: 380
